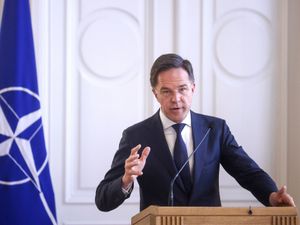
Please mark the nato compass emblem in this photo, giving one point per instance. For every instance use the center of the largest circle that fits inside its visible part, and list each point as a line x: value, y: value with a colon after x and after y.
x: 23, y: 155
x: 20, y: 131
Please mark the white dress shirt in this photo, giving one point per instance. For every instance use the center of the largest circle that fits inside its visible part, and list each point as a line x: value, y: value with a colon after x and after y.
x: 171, y: 135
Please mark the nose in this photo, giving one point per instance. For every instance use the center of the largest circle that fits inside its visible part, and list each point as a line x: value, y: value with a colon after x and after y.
x: 176, y: 97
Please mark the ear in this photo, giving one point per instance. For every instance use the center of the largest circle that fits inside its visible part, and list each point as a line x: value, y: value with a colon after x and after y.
x: 193, y: 87
x: 154, y: 92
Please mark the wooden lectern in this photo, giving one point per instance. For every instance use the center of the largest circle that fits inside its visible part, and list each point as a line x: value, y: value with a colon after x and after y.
x: 156, y: 215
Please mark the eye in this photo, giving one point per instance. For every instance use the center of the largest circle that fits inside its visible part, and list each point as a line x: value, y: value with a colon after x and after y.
x: 183, y: 89
x: 165, y: 92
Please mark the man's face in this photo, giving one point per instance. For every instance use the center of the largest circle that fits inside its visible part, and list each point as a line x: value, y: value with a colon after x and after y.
x: 174, y: 91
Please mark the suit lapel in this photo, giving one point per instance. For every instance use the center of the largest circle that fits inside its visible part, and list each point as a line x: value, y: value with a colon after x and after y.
x: 199, y: 130
x: 159, y: 144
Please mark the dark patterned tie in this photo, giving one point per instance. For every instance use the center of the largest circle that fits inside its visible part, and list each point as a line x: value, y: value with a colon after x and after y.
x: 181, y: 156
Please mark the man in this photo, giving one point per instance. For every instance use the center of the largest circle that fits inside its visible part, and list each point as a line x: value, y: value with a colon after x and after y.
x: 197, y: 184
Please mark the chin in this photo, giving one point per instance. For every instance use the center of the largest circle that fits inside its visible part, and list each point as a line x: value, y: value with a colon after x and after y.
x: 177, y: 120
x: 176, y: 117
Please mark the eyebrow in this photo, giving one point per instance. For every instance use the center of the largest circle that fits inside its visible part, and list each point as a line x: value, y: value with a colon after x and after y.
x: 180, y: 86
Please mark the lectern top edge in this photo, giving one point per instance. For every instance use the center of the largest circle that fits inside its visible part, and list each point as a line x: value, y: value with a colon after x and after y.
x: 216, y: 211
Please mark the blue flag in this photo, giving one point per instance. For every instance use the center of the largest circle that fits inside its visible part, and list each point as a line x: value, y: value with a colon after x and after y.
x: 26, y: 194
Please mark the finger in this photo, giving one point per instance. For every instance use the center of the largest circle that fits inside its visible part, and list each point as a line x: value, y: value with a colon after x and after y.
x: 288, y: 200
x: 133, y: 154
x: 135, y: 149
x: 282, y: 190
x: 292, y: 203
x: 145, y: 153
x: 131, y: 158
x: 131, y: 162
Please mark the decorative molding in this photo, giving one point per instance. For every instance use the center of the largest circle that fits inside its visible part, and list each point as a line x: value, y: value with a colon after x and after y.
x: 99, y: 51
x: 282, y: 54
x: 207, y: 80
x: 231, y: 38
x: 71, y: 115
x: 150, y: 101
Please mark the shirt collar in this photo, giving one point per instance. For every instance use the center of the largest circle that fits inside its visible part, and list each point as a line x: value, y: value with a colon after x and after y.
x: 167, y: 123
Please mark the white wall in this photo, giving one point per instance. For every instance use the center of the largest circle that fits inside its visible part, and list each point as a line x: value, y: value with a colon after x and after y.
x: 93, y: 61
x: 294, y: 103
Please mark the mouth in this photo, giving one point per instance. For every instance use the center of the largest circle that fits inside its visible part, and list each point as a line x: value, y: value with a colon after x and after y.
x: 175, y: 108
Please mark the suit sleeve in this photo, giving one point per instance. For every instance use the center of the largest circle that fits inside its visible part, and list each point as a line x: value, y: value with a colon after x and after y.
x: 109, y: 194
x: 247, y: 173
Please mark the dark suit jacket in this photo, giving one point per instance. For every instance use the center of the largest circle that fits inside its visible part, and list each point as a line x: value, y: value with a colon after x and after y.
x: 218, y: 148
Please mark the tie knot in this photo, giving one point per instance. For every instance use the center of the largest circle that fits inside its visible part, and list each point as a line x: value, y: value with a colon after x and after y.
x: 178, y: 127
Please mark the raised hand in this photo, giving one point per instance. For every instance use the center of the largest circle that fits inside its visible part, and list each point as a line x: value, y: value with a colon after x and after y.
x: 134, y: 165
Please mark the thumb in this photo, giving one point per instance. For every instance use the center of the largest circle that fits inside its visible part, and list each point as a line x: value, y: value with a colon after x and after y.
x: 282, y: 190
